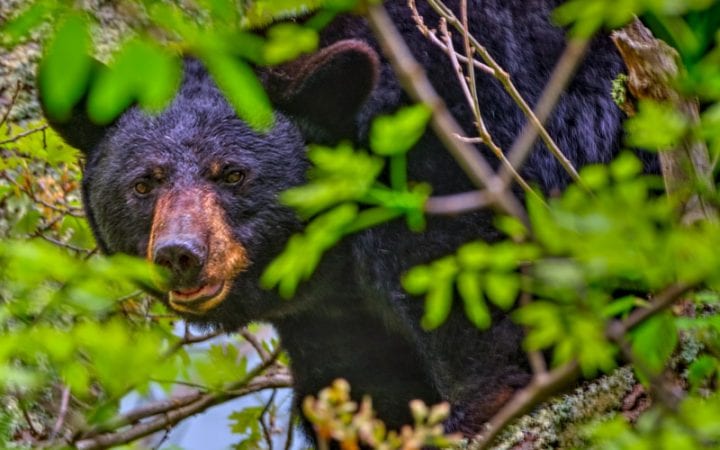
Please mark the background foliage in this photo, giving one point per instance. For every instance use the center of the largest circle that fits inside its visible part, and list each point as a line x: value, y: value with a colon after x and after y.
x: 73, y: 322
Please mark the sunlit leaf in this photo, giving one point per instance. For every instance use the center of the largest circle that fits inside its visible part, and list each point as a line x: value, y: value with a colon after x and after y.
x: 65, y: 68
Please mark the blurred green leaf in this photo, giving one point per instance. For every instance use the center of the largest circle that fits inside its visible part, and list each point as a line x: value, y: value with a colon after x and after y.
x: 17, y: 29
x: 398, y: 133
x: 242, y: 89
x: 142, y: 72
x: 470, y: 289
x: 653, y: 342
x: 65, y: 68
x: 287, y: 41
x: 656, y: 126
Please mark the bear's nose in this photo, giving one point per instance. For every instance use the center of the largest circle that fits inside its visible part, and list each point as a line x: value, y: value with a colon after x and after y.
x: 183, y: 256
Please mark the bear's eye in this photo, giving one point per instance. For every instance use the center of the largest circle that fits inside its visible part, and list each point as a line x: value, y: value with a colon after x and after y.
x: 142, y: 188
x: 233, y: 177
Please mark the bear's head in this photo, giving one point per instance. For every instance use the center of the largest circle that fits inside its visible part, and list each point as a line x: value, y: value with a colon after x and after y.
x: 195, y: 189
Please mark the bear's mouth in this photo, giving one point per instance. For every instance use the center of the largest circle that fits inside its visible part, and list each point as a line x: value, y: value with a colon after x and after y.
x: 200, y: 299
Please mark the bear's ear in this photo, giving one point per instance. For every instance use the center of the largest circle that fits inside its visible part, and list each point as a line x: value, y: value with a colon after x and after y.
x: 77, y: 129
x: 324, y: 91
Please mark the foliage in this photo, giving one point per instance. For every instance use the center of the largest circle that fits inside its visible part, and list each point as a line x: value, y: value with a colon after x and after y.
x: 336, y: 417
x: 585, y: 260
x: 68, y: 316
x: 341, y: 181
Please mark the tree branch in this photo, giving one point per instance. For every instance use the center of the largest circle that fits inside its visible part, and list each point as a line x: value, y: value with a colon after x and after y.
x: 166, y: 413
x: 652, y: 68
x: 559, y: 79
x: 501, y: 75
x: 413, y: 78
x: 540, y: 388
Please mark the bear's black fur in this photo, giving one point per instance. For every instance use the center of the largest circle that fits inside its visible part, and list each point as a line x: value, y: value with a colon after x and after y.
x: 352, y: 319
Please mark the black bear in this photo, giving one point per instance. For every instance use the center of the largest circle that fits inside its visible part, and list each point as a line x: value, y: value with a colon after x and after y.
x: 195, y: 189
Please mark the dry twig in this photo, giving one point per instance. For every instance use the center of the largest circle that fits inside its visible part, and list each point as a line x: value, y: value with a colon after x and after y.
x: 167, y: 413
x: 504, y: 77
x: 413, y: 78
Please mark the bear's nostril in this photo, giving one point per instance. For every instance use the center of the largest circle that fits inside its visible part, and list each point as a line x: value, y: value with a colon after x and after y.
x: 184, y: 259
x: 185, y: 262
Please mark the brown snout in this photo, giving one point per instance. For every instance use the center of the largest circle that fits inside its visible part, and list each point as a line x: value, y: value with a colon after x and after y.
x: 192, y: 239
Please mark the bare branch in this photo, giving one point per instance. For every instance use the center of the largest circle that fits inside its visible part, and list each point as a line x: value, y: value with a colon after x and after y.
x: 470, y: 91
x: 504, y: 78
x: 540, y: 388
x: 619, y: 328
x: 62, y: 413
x: 432, y: 37
x: 13, y: 100
x: 413, y: 78
x: 290, y: 430
x: 545, y: 384
x: 559, y: 79
x: 24, y: 134
x: 458, y: 203
x: 257, y: 345
x: 276, y: 377
x: 652, y: 67
x: 265, y: 428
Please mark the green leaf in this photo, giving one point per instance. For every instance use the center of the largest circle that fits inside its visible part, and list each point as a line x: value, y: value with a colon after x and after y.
x: 625, y: 167
x: 417, y: 280
x: 339, y: 175
x: 17, y: 29
x: 398, y: 133
x: 652, y: 343
x: 544, y: 322
x: 287, y: 41
x: 303, y: 252
x: 512, y: 226
x: 701, y: 370
x: 65, y: 68
x: 470, y: 289
x: 475, y: 255
x: 438, y: 304
x: 242, y: 88
x: 656, y: 126
x: 502, y: 288
x: 438, y: 301
x: 142, y: 72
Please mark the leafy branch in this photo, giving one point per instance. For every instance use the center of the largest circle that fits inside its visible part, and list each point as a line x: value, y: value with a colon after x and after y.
x: 156, y: 416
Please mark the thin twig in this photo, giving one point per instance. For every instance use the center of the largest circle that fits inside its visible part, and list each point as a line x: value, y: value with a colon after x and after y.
x: 413, y: 78
x: 71, y: 247
x: 189, y: 339
x: 33, y: 431
x: 162, y: 440
x: 458, y: 203
x: 253, y: 341
x: 290, y: 430
x: 559, y: 79
x: 265, y: 429
x: 13, y: 100
x: 619, y: 328
x: 432, y: 37
x: 62, y: 413
x: 253, y: 382
x: 470, y: 91
x: 504, y: 78
x: 19, y: 136
x: 147, y: 410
